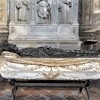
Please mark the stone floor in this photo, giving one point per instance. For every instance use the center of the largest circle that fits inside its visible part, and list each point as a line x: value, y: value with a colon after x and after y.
x: 49, y: 94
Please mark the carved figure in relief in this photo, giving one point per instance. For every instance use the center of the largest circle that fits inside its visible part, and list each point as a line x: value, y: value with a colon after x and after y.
x: 44, y: 11
x: 64, y: 11
x: 96, y: 4
x: 23, y: 7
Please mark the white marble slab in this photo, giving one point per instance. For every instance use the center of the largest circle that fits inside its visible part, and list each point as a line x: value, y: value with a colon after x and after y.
x: 16, y: 67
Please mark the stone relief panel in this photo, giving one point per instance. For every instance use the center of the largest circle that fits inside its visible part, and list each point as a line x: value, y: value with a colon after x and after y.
x: 43, y: 20
x: 47, y: 8
x: 64, y: 8
x: 43, y: 11
x: 22, y: 7
x: 22, y: 10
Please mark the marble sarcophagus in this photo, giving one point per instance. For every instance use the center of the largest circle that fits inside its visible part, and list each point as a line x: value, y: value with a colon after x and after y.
x: 16, y: 67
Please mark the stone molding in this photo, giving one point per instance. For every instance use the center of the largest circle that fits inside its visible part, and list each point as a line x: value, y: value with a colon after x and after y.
x: 15, y: 67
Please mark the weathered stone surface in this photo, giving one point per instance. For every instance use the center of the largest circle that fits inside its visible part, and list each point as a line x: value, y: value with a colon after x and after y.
x: 89, y: 19
x: 3, y: 21
x: 16, y: 67
x: 56, y: 25
x: 96, y: 6
x: 3, y: 12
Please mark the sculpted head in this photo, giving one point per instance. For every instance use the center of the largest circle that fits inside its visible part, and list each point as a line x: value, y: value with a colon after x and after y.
x: 44, y: 9
x: 43, y: 2
x: 25, y: 2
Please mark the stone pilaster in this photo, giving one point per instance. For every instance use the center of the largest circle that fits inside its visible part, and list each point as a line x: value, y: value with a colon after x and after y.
x: 86, y: 19
x: 75, y: 11
x: 3, y: 21
x: 12, y: 11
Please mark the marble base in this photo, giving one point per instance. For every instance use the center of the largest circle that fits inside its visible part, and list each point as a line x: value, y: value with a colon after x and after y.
x: 51, y: 76
x: 15, y: 67
x: 59, y: 36
x: 67, y: 44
